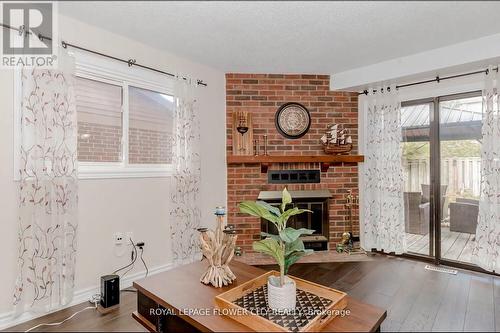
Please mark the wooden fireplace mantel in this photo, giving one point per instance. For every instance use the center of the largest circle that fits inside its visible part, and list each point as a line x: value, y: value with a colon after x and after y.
x: 267, y: 160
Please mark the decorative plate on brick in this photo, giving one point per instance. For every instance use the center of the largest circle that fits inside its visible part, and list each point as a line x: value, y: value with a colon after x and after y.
x: 292, y: 120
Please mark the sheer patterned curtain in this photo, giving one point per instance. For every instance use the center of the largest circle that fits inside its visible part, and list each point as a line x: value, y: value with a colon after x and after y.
x: 48, y: 191
x: 486, y: 253
x: 383, y: 210
x: 185, y: 198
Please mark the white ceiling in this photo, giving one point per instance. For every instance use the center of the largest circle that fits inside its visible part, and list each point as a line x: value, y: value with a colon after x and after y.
x: 292, y: 37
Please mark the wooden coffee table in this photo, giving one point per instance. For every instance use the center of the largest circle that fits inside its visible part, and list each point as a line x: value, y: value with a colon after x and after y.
x: 176, y: 300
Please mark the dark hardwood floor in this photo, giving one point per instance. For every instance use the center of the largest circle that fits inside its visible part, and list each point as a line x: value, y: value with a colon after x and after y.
x: 416, y: 299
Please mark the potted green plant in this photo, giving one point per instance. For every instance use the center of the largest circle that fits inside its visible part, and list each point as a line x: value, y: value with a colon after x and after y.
x: 286, y: 247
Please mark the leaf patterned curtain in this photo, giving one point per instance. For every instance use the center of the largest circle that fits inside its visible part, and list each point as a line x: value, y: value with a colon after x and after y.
x: 486, y: 253
x: 383, y: 225
x: 185, y: 200
x: 48, y: 192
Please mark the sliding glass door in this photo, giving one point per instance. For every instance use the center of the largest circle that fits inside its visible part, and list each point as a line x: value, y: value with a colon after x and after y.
x: 441, y: 159
x: 460, y: 121
x: 415, y: 119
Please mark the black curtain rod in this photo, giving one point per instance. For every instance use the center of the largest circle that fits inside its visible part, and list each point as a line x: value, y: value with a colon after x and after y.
x: 436, y: 79
x: 129, y: 62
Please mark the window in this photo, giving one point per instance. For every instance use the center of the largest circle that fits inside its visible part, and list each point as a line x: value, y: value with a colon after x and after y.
x: 100, y: 128
x: 125, y: 121
x: 150, y: 127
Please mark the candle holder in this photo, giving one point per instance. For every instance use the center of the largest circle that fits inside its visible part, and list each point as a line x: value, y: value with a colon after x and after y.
x: 256, y: 147
x: 218, y: 248
x: 265, y: 145
x: 242, y: 127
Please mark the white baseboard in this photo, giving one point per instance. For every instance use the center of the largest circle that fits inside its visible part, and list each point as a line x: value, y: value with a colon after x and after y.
x: 7, y: 319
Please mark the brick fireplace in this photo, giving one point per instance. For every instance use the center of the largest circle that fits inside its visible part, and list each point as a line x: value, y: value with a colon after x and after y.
x: 262, y: 95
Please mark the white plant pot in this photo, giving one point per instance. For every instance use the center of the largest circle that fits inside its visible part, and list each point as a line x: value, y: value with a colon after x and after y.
x: 281, y: 298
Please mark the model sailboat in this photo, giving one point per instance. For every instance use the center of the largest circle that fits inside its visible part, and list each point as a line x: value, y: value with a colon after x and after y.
x: 336, y: 140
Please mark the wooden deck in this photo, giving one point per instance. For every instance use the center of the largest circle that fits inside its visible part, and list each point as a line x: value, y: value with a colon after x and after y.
x: 454, y: 245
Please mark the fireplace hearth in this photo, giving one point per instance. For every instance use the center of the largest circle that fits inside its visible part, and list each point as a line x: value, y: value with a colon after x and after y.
x: 317, y: 202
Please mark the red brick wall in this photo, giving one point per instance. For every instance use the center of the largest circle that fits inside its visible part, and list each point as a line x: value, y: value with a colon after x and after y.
x: 149, y: 147
x: 262, y: 95
x: 103, y: 144
x: 99, y: 143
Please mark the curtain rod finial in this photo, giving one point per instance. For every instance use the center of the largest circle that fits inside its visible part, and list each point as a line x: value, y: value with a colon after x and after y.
x: 22, y: 30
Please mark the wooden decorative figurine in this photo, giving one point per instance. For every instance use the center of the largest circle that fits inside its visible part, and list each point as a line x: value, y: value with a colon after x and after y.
x: 218, y: 248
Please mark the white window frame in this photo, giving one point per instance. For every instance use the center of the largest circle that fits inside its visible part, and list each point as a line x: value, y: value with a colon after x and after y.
x: 108, y: 71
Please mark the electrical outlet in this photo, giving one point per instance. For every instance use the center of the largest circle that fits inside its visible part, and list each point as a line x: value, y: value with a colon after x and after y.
x: 118, y: 238
x: 129, y: 236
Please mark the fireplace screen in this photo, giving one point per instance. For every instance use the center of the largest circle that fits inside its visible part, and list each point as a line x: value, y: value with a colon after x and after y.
x: 317, y: 221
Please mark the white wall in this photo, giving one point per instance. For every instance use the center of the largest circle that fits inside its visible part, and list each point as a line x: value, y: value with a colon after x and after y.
x: 110, y: 205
